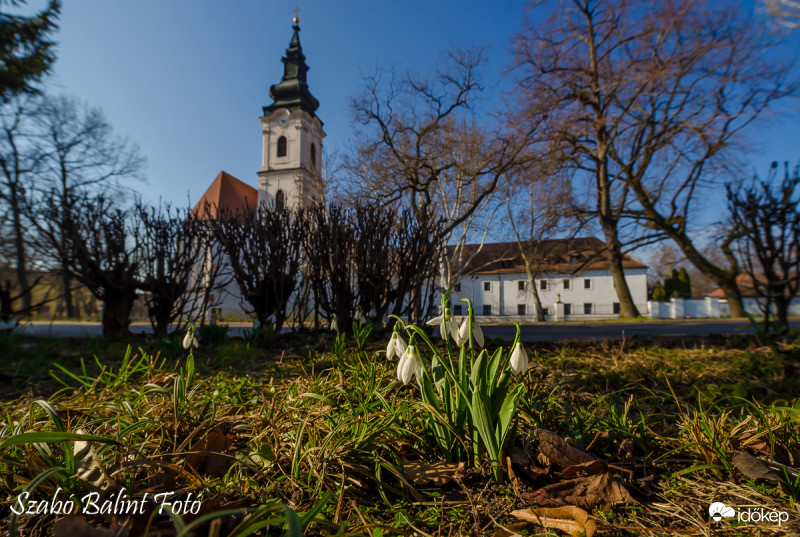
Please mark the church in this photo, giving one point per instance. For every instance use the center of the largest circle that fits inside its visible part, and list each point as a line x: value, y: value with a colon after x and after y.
x: 291, y: 153
x: 290, y: 177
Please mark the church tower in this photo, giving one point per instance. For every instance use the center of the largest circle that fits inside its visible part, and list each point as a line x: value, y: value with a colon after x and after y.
x: 291, y: 159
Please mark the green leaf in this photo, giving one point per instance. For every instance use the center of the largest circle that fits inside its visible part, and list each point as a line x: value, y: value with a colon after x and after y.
x: 51, y: 437
x: 507, y: 412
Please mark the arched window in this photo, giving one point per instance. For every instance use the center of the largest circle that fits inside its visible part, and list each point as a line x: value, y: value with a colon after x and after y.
x: 282, y: 146
x: 280, y: 199
x: 313, y: 157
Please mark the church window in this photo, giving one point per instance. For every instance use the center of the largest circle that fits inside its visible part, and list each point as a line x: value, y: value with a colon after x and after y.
x: 280, y: 199
x: 282, y: 146
x: 313, y: 157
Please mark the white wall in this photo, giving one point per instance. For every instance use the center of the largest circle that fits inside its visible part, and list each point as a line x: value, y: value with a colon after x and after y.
x: 504, y: 295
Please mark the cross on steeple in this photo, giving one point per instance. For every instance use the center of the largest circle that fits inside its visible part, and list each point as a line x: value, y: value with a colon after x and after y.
x: 296, y: 18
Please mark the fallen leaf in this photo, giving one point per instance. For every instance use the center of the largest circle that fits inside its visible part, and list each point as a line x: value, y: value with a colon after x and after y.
x: 88, y: 466
x: 573, y: 520
x: 756, y: 468
x: 585, y: 492
x: 556, y: 450
x: 587, y: 468
x: 210, y: 457
x: 436, y: 474
x: 77, y: 526
x: 509, y: 530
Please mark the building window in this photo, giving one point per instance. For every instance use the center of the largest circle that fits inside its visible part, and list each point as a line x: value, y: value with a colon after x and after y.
x: 567, y: 309
x: 573, y: 259
x: 546, y: 311
x: 521, y: 285
x: 521, y: 310
x: 566, y: 284
x: 282, y: 146
x: 587, y: 283
x: 487, y: 286
x: 280, y: 200
x: 487, y: 309
x: 457, y: 287
x: 313, y: 157
x: 543, y: 285
x: 587, y: 308
x: 616, y: 308
x: 457, y: 309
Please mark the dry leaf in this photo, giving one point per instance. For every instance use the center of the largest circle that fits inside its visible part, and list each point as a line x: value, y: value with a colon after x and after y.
x: 755, y: 468
x: 436, y: 474
x: 88, y: 466
x: 573, y: 520
x: 556, y: 450
x: 509, y: 530
x: 587, y: 468
x: 77, y: 526
x: 210, y: 457
x: 585, y: 492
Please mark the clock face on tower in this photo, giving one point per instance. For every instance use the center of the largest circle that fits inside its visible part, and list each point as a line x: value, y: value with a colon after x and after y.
x: 283, y: 121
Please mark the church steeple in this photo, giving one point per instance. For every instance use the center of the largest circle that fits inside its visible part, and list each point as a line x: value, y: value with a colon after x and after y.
x: 291, y: 154
x: 292, y: 91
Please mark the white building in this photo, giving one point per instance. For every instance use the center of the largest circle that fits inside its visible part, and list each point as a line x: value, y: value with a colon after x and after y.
x: 570, y: 275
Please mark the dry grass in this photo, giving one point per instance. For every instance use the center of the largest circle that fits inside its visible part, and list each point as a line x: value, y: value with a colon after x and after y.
x: 255, y: 432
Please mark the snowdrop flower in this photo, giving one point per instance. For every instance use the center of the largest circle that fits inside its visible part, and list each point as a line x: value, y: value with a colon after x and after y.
x: 334, y: 324
x: 396, y: 347
x: 410, y: 365
x: 189, y: 339
x: 519, y: 359
x: 477, y: 333
x: 447, y: 324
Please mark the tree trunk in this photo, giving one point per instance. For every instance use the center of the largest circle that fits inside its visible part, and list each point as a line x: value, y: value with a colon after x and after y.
x: 117, y: 307
x: 627, y: 308
x: 782, y: 312
x: 19, y: 244
x: 536, y: 300
x: 67, y: 286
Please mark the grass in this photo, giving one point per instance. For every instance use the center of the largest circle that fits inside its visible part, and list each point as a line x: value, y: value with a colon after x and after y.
x: 299, y: 435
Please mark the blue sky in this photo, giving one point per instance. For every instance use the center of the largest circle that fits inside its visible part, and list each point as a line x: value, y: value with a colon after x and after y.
x: 186, y: 79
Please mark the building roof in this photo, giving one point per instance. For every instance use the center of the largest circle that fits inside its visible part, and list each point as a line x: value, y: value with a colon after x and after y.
x: 292, y: 92
x: 745, y: 284
x: 565, y: 256
x: 227, y: 193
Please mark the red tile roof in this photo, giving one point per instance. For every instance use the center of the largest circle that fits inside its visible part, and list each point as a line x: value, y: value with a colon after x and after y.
x: 564, y: 256
x: 745, y: 284
x: 228, y: 193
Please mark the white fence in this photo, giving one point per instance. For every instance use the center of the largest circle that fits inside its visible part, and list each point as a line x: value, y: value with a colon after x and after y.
x: 680, y: 308
x: 706, y: 308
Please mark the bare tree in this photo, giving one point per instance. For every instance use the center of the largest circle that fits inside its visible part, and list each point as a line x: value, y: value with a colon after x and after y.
x: 264, y: 253
x: 20, y: 158
x: 766, y: 216
x: 172, y: 247
x: 425, y: 138
x: 82, y: 155
x: 538, y: 209
x: 647, y: 100
x: 101, y: 247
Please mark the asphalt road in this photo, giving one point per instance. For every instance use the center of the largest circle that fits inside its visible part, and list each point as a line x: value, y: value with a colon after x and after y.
x: 553, y: 331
